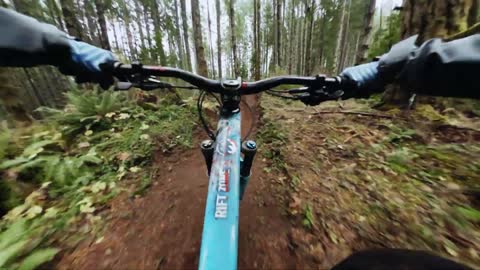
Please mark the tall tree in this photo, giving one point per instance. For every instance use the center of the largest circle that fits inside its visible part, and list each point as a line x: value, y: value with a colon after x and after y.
x: 219, y: 39
x: 338, y: 49
x: 308, y: 51
x: 256, y: 39
x: 367, y: 28
x: 279, y: 32
x: 55, y: 13
x: 231, y: 15
x: 212, y: 54
x: 183, y: 9
x: 159, y: 53
x: 72, y: 23
x: 138, y: 21
x: 178, y: 36
x: 102, y: 22
x: 198, y: 40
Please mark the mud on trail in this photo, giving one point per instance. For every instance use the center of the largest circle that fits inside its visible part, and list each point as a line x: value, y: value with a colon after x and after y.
x: 162, y: 229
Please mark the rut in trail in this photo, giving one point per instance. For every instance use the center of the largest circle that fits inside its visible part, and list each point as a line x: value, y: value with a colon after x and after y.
x: 162, y: 229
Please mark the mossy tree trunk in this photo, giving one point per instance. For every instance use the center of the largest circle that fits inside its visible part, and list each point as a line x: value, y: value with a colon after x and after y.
x: 430, y: 19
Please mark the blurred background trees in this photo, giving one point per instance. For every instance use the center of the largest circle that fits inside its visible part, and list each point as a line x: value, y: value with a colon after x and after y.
x: 228, y: 38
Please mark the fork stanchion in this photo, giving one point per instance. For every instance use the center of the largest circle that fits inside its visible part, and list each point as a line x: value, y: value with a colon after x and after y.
x: 207, y: 148
x: 249, y: 149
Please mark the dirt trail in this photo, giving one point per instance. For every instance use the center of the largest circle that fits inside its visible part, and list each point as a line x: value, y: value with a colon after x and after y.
x: 162, y: 229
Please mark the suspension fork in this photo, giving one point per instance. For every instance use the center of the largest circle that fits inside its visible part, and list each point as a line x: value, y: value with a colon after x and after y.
x: 249, y: 149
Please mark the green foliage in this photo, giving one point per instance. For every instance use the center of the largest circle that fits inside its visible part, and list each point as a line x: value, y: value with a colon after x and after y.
x: 38, y: 258
x: 308, y: 218
x: 99, y: 139
x: 4, y: 141
x: 273, y: 139
x: 469, y: 213
x: 85, y: 110
x: 385, y: 37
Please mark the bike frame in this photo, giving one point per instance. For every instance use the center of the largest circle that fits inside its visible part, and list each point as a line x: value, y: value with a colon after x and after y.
x: 220, y: 228
x: 229, y: 172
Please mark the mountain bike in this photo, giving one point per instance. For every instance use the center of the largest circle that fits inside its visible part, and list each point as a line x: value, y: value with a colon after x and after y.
x: 228, y: 157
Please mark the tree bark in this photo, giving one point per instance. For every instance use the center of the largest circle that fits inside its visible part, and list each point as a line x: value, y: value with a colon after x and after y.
x: 345, y: 39
x: 219, y: 38
x: 198, y: 40
x: 102, y: 22
x: 292, y: 32
x: 159, y: 52
x: 338, y: 50
x: 137, y: 19
x: 256, y: 37
x: 212, y: 54
x: 178, y: 37
x: 361, y: 55
x: 308, y: 53
x: 146, y: 20
x: 279, y: 33
x: 71, y: 22
x: 56, y: 13
x: 231, y: 15
x: 183, y: 10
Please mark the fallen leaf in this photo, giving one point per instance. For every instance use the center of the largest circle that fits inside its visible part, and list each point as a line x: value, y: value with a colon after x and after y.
x: 123, y: 156
x: 134, y: 169
x: 33, y: 211
x: 83, y: 145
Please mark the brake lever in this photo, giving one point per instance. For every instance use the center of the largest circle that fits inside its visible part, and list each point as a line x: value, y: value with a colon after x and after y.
x: 147, y: 85
x: 314, y: 97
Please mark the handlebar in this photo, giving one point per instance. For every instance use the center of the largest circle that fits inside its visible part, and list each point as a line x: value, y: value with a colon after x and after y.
x: 318, y: 88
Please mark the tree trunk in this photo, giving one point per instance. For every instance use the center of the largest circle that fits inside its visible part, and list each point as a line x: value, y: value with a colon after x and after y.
x: 198, y: 40
x: 178, y: 37
x: 345, y: 39
x: 212, y: 54
x: 308, y: 53
x: 292, y: 32
x: 279, y: 33
x: 11, y: 99
x: 367, y: 28
x: 115, y: 35
x: 256, y: 42
x: 299, y: 38
x: 338, y: 50
x: 219, y: 37
x: 231, y: 15
x: 56, y: 13
x: 72, y: 24
x: 183, y: 10
x: 322, y: 42
x: 99, y: 4
x: 138, y: 13
x: 159, y: 52
x: 429, y: 19
x: 146, y: 20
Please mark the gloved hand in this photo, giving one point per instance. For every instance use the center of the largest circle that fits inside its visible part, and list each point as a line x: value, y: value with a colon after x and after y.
x: 365, y: 80
x: 88, y: 64
x: 362, y: 75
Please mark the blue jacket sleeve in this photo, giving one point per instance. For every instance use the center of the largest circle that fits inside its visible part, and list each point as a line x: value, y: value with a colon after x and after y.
x: 436, y: 67
x: 26, y: 42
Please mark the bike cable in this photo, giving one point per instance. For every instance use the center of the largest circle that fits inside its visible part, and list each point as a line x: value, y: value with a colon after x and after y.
x: 203, y: 121
x: 250, y: 111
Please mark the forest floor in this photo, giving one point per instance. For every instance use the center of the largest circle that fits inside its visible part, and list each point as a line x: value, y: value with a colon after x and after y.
x: 324, y: 184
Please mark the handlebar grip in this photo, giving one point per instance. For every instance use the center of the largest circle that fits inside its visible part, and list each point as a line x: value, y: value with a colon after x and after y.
x: 363, y: 74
